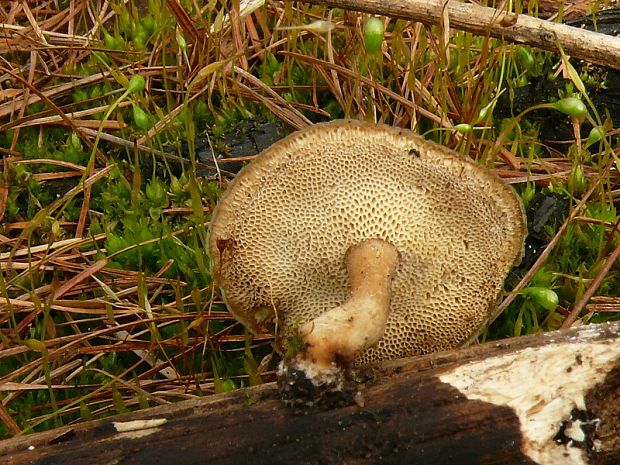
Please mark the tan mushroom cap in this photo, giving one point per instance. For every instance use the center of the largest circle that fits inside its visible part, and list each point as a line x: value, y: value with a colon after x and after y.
x: 280, y: 233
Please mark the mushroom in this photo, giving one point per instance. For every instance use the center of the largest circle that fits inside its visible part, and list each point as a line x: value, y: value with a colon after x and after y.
x: 364, y: 242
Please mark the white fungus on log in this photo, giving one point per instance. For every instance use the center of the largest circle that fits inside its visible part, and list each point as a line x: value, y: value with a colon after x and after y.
x: 545, y: 386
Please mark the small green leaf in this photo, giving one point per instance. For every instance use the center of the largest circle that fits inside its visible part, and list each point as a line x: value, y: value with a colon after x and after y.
x: 75, y: 141
x: 79, y: 95
x: 108, y: 40
x: 518, y: 327
x: 571, y: 106
x: 35, y: 345
x: 85, y: 413
x: 117, y: 400
x: 136, y: 84
x: 206, y: 71
x: 175, y: 186
x: 182, y: 42
x: 596, y: 134
x: 577, y: 180
x: 373, y: 35
x: 574, y: 75
x: 250, y: 366
x: 155, y: 192
x: 484, y: 111
x: 528, y: 194
x: 148, y: 22
x: 140, y: 117
x: 525, y: 58
x: 543, y: 296
x: 228, y: 385
x: 464, y: 128
x: 104, y: 58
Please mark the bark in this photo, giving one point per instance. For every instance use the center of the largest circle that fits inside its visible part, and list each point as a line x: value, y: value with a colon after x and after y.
x: 590, y: 46
x: 551, y: 399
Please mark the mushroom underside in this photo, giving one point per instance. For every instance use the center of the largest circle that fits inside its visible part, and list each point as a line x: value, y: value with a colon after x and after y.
x: 442, y: 232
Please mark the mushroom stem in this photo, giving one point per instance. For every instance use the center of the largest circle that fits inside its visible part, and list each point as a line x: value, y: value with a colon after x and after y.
x: 341, y: 333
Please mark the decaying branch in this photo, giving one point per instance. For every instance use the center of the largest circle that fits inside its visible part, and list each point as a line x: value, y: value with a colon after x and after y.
x: 590, y: 46
x: 551, y: 399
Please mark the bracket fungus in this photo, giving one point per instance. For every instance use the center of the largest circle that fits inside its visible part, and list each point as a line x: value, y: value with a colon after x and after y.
x: 366, y: 243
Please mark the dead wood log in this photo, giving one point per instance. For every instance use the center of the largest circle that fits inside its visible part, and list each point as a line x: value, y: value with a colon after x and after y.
x: 550, y: 399
x: 590, y: 46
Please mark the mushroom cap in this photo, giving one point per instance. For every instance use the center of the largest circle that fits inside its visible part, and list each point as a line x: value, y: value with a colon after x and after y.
x: 280, y: 232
